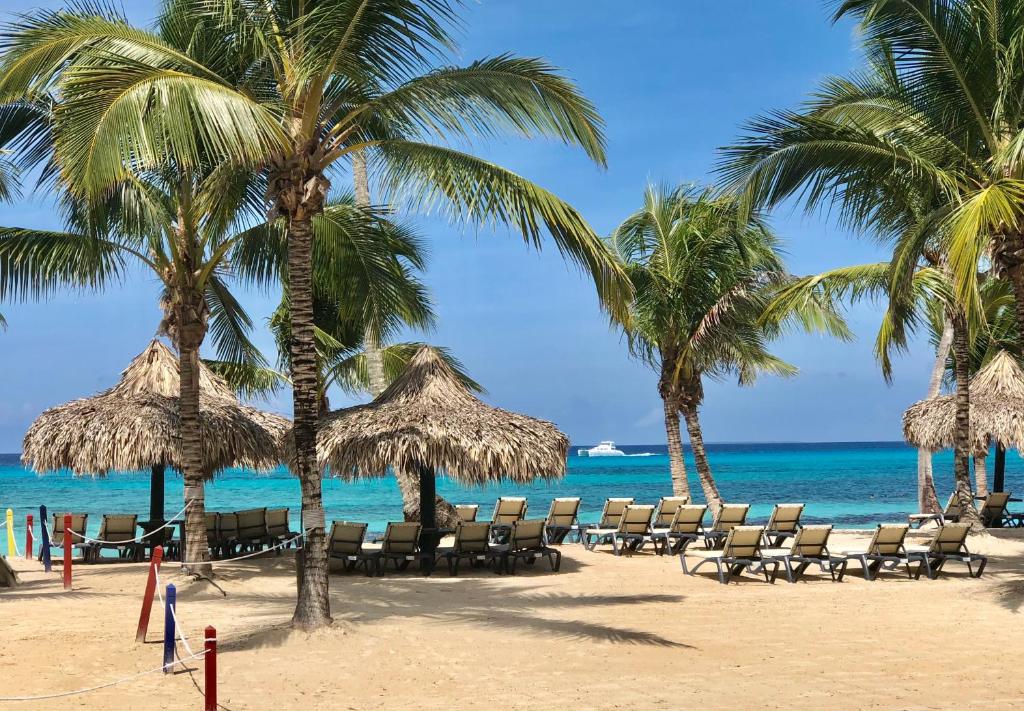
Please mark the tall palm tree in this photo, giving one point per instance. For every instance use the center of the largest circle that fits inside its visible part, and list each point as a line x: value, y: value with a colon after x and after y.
x: 298, y: 88
x: 702, y: 274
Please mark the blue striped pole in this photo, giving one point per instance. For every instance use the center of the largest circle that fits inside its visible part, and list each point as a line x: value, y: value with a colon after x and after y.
x: 169, y: 631
x: 44, y: 528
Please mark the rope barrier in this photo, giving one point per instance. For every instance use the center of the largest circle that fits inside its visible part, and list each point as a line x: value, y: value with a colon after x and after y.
x: 282, y: 544
x: 137, y: 539
x: 76, y: 692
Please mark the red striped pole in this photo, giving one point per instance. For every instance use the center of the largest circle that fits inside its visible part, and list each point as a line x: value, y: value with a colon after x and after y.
x: 210, y: 677
x: 28, y: 537
x: 147, y: 598
x: 67, y: 551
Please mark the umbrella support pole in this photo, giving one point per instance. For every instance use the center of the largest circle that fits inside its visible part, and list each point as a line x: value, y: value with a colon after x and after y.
x: 999, y: 475
x: 156, y: 493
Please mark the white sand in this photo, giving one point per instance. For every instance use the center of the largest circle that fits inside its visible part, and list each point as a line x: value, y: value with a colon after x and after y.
x: 605, y: 633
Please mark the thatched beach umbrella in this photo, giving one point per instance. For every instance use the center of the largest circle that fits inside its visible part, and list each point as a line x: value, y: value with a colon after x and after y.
x: 997, y: 413
x: 135, y: 426
x: 428, y: 421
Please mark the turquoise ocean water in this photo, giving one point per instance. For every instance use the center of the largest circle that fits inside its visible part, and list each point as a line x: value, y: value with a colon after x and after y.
x: 856, y: 484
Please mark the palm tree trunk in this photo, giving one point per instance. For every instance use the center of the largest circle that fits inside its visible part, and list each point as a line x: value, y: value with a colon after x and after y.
x: 700, y: 459
x: 371, y: 346
x: 962, y: 437
x: 981, y: 475
x: 927, y: 499
x: 313, y: 608
x: 196, y: 550
x: 1009, y: 258
x: 676, y: 458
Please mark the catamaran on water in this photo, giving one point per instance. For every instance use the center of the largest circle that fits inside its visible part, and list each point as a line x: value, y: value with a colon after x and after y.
x: 605, y: 449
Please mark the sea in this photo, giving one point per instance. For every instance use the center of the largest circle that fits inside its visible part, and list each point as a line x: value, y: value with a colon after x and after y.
x: 848, y: 484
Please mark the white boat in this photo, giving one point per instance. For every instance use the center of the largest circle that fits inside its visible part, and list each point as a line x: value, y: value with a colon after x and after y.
x: 604, y: 449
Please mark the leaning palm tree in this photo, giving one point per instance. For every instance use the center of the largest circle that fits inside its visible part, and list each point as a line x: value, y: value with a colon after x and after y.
x: 702, y: 274
x: 297, y: 89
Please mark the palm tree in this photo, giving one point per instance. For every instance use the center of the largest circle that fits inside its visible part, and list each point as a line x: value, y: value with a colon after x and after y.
x: 702, y: 274
x: 298, y: 88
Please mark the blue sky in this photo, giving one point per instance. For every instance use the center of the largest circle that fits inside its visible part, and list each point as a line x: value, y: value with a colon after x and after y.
x: 673, y: 80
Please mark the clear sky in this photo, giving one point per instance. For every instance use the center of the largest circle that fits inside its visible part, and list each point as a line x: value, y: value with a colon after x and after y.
x: 674, y: 81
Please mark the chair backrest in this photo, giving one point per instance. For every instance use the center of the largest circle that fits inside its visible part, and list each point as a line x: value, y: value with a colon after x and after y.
x: 811, y: 541
x: 785, y: 518
x: 346, y: 538
x: 994, y: 507
x: 666, y: 510
x: 730, y: 516
x: 78, y: 523
x: 211, y: 518
x: 743, y: 542
x: 118, y: 528
x: 527, y: 535
x: 888, y: 539
x: 227, y: 526
x: 563, y: 511
x: 509, y: 509
x: 467, y: 512
x: 252, y: 523
x: 688, y: 519
x: 401, y: 538
x: 636, y: 519
x: 277, y: 522
x: 952, y: 509
x: 949, y: 538
x: 612, y: 512
x: 471, y: 537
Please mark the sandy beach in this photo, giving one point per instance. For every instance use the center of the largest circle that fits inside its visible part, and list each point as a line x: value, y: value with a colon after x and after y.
x: 604, y: 633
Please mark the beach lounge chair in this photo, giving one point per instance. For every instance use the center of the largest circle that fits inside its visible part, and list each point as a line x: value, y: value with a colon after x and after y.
x: 467, y: 512
x: 634, y: 529
x: 607, y: 524
x: 687, y: 525
x: 782, y: 524
x: 809, y: 547
x: 885, y: 550
x: 562, y: 520
x: 117, y: 532
x: 213, y: 532
x: 730, y: 516
x: 400, y: 544
x: 507, y: 510
x: 948, y: 543
x: 993, y: 509
x: 279, y: 530
x: 78, y: 524
x: 527, y: 544
x: 949, y: 514
x: 472, y: 542
x: 666, y: 510
x: 252, y: 530
x: 227, y: 533
x: 346, y: 544
x: 741, y: 550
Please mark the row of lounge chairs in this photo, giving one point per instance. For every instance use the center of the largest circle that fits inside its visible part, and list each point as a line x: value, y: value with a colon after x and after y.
x: 993, y: 512
x: 743, y: 550
x: 401, y: 545
x: 233, y: 533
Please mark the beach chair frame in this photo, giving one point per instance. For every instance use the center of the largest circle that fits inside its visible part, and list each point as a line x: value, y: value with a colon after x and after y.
x: 526, y: 543
x: 783, y: 523
x: 993, y: 509
x: 472, y: 543
x: 252, y: 530
x: 79, y: 524
x: 401, y: 545
x: 128, y: 548
x: 349, y: 547
x: 611, y: 513
x: 634, y: 529
x: 467, y: 512
x: 948, y: 543
x: 809, y: 547
x: 741, y: 550
x: 279, y: 530
x: 687, y: 526
x: 951, y: 513
x: 562, y: 520
x: 507, y: 510
x: 881, y: 554
x: 729, y: 517
x: 665, y: 511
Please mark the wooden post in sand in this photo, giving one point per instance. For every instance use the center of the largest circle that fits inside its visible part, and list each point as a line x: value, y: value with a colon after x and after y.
x: 210, y: 675
x: 169, y: 627
x: 28, y: 537
x: 147, y: 597
x: 67, y: 551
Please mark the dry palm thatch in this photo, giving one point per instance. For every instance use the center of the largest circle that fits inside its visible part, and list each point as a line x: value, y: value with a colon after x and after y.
x: 428, y: 419
x: 997, y: 411
x: 135, y: 425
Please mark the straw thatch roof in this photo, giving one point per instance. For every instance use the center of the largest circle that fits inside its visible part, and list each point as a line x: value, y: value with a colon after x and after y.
x: 428, y: 418
x: 135, y: 425
x: 997, y: 411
